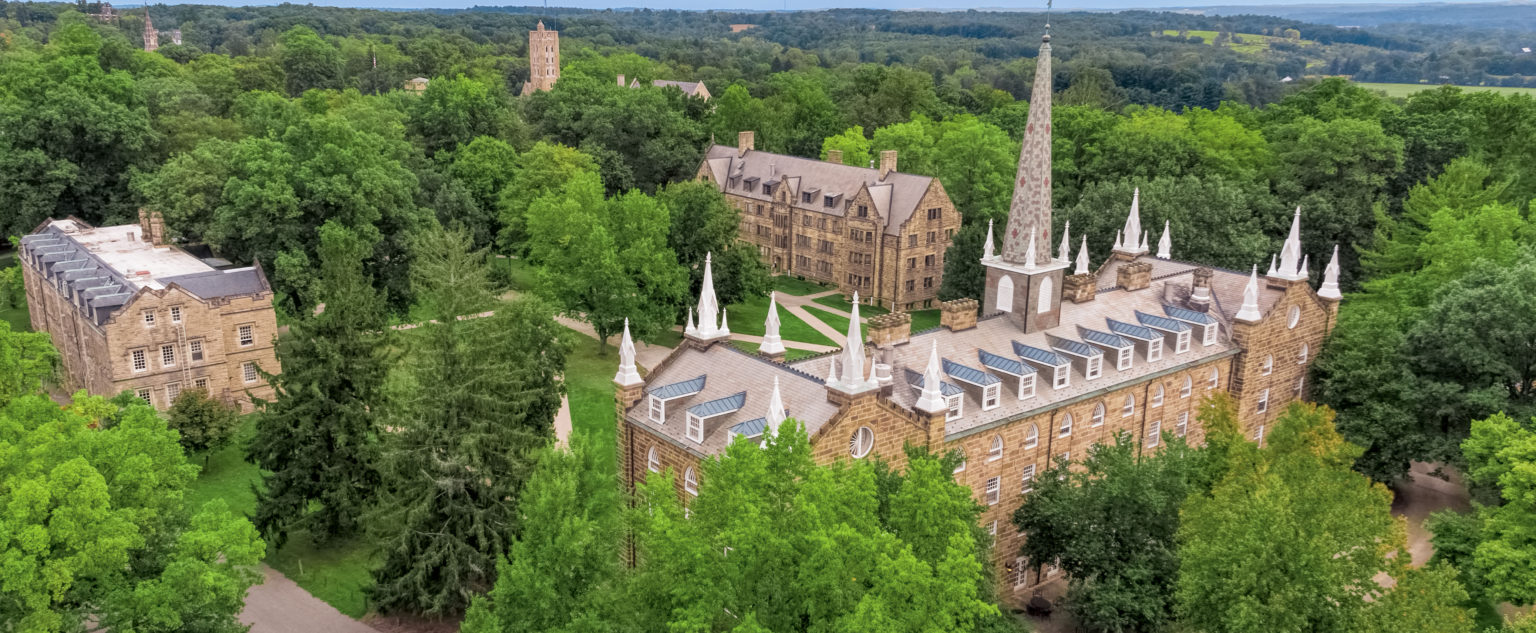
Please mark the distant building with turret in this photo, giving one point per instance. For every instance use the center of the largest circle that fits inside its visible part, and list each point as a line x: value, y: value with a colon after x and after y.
x: 543, y: 60
x: 151, y: 36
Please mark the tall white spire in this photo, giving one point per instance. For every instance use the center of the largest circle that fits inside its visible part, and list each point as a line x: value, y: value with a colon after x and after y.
x: 853, y: 352
x: 627, y: 374
x: 1271, y: 272
x: 1127, y: 243
x: 1250, y: 309
x: 1063, y: 253
x: 1290, y: 252
x: 986, y: 252
x: 931, y: 400
x: 772, y: 344
x: 1082, y: 258
x: 776, y: 414
x: 1165, y: 244
x: 1330, y: 287
x: 709, y: 307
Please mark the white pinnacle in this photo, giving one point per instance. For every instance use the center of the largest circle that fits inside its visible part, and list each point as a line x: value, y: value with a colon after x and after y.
x: 1164, y: 244
x: 1290, y: 253
x: 1029, y: 255
x: 1066, y: 243
x: 932, y: 398
x: 1117, y: 240
x: 1330, y: 287
x: 1271, y: 272
x: 627, y: 374
x: 776, y: 414
x: 709, y: 308
x: 772, y: 344
x: 1143, y: 248
x: 987, y: 252
x: 1133, y: 227
x: 1306, y: 267
x: 1082, y: 258
x: 832, y: 372
x: 725, y: 330
x: 853, y: 351
x: 1250, y: 309
x: 689, y: 329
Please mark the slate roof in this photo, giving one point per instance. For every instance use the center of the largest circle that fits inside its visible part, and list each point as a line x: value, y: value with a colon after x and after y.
x: 718, y: 406
x: 1189, y: 316
x: 750, y: 428
x: 679, y: 389
x: 915, y: 380
x: 1134, y: 331
x: 1103, y: 338
x: 1161, y: 323
x: 1004, y: 364
x: 895, y: 198
x: 971, y: 375
x: 220, y: 283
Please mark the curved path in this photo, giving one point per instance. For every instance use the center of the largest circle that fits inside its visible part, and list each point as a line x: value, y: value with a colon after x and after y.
x: 279, y: 605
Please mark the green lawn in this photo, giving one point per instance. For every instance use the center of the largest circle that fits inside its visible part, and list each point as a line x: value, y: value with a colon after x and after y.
x: 790, y: 353
x: 751, y: 317
x: 925, y: 319
x: 840, y: 302
x: 798, y: 287
x: 1251, y: 42
x: 226, y: 475
x: 589, y: 387
x: 837, y: 321
x: 516, y: 272
x: 1404, y: 90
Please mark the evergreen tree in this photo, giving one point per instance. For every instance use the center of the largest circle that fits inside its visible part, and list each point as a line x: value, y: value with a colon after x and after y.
x: 318, y: 439
x: 477, y: 399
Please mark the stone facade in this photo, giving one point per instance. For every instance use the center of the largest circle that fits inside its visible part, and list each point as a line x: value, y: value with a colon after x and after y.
x: 876, y: 231
x: 543, y: 59
x: 165, y: 333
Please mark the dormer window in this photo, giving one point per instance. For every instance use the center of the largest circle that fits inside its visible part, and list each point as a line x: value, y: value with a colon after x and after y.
x: 767, y: 189
x: 658, y: 413
x: 695, y: 428
x: 1183, y: 343
x: 990, y: 396
x: 805, y: 197
x: 956, y: 406
x: 1063, y: 376
x: 657, y: 410
x: 1026, y: 386
x: 1210, y: 334
x: 1095, y: 368
x: 1123, y: 362
x: 1154, y: 350
x: 698, y: 413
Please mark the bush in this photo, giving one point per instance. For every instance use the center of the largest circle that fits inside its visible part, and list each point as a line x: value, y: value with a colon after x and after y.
x: 205, y: 423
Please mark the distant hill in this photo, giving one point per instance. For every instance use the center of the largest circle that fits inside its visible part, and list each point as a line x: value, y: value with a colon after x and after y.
x: 1493, y: 15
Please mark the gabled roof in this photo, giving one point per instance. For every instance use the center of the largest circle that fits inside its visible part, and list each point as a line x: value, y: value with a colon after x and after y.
x: 970, y: 375
x: 1161, y: 323
x: 1104, y: 338
x: 1189, y: 316
x: 678, y: 389
x: 1004, y: 364
x: 1044, y: 357
x: 728, y: 404
x: 750, y: 428
x: 895, y: 197
x: 1134, y: 331
x: 916, y: 380
x: 1075, y: 348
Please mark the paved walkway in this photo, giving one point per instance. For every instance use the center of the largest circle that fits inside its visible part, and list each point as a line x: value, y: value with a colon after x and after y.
x: 279, y: 605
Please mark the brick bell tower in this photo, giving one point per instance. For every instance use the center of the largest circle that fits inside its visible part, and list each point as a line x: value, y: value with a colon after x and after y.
x: 1025, y: 281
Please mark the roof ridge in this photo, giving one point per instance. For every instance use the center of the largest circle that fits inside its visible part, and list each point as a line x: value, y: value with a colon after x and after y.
x: 784, y: 366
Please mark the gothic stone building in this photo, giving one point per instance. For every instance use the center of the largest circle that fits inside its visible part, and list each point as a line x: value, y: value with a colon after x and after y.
x: 129, y: 312
x: 874, y: 231
x: 1045, y: 366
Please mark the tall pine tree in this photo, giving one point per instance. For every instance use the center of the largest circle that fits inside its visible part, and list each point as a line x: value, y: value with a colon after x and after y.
x: 319, y: 439
x: 477, y: 400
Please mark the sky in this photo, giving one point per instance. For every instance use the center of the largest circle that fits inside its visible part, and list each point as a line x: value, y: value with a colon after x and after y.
x: 779, y: 5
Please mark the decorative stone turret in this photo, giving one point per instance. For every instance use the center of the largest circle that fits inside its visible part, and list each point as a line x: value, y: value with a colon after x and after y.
x: 1165, y: 243
x: 1127, y: 247
x: 776, y: 415
x: 1250, y: 310
x: 712, y: 324
x: 987, y: 253
x: 932, y: 398
x: 889, y: 329
x: 1291, y: 267
x: 772, y: 345
x: 1200, y: 291
x: 1134, y: 276
x: 1330, y: 287
x: 958, y: 314
x: 1066, y: 244
x: 627, y: 375
x: 854, y: 379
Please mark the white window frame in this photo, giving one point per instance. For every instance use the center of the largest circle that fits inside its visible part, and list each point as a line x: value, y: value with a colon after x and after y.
x: 861, y: 442
x: 691, y: 482
x: 1269, y: 365
x: 657, y: 410
x: 1157, y: 395
x: 1183, y: 425
x: 992, y: 396
x: 652, y: 460
x: 1302, y: 355
x: 1129, y: 408
x: 1210, y: 334
x: 200, y: 383
x: 195, y: 350
x: 994, y: 491
x: 1263, y: 401
x: 149, y: 318
x: 1123, y: 360
x: 146, y: 394
x: 1189, y: 386
x: 1061, y: 376
x: 167, y: 355
x: 1032, y: 438
x: 1215, y: 380
x: 1099, y: 413
x: 956, y: 406
x: 1301, y: 382
x: 1094, y: 368
x: 246, y: 335
x: 175, y: 314
x: 993, y: 529
x: 172, y: 390
x: 1026, y: 386
x: 1258, y: 436
x: 1155, y: 349
x: 1020, y: 571
x: 1181, y: 342
x: 996, y: 452
x: 140, y: 360
x: 1027, y: 480
x: 694, y: 427
x: 1154, y: 433
x: 1065, y: 429
x: 248, y: 372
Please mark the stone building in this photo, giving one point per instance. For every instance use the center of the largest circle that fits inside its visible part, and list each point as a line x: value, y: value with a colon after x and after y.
x: 416, y: 86
x: 1054, y: 359
x: 129, y: 312
x: 543, y: 60
x: 690, y: 88
x: 875, y: 231
x: 151, y: 36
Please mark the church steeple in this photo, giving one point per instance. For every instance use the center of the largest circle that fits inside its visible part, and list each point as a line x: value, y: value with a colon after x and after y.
x: 1029, y: 216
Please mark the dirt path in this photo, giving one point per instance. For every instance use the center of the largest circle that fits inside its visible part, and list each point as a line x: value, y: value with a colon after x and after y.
x: 279, y: 605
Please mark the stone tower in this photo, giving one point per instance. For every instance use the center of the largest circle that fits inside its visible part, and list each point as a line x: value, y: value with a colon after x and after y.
x: 1025, y: 281
x: 151, y: 36
x: 543, y: 59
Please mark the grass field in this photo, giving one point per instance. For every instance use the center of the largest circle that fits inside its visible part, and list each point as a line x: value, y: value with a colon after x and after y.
x: 1404, y: 90
x: 798, y: 287
x: 837, y: 321
x: 925, y: 319
x: 750, y: 318
x: 840, y: 302
x: 1251, y: 42
x: 790, y: 353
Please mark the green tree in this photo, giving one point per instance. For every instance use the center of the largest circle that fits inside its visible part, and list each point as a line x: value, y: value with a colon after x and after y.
x: 914, y: 143
x: 1082, y: 518
x: 309, y: 62
x: 703, y: 223
x: 475, y: 403
x: 561, y: 573
x: 317, y: 443
x: 606, y: 260
x: 1463, y: 188
x: 641, y: 139
x: 453, y: 112
x: 27, y: 361
x: 801, y: 115
x: 205, y: 423
x: 978, y: 180
x: 852, y: 144
x: 736, y: 111
x: 485, y: 167
x: 545, y: 168
x: 96, y: 531
x: 1499, y: 452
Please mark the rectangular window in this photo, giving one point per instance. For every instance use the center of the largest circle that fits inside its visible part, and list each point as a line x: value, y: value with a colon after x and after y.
x: 993, y: 530
x: 956, y: 407
x: 1063, y: 376
x: 932, y: 237
x: 994, y: 491
x: 695, y: 428
x: 828, y: 201
x: 1020, y: 571
x: 1183, y: 343
x: 805, y: 220
x: 1210, y: 334
x: 171, y: 391
x: 1123, y: 362
x: 928, y: 260
x: 1026, y: 386
x: 249, y: 369
x: 143, y: 394
x: 196, y: 349
x: 911, y: 286
x: 989, y: 396
x: 1183, y: 426
x: 247, y: 336
x: 140, y: 360
x: 175, y: 314
x: 200, y: 383
x: 863, y: 211
x: 149, y: 318
x: 1263, y: 401
x: 1154, y: 350
x: 1028, y: 484
x: 911, y: 263
x: 167, y: 355
x: 1095, y: 367
x: 927, y: 282
x: 1154, y: 433
x: 912, y: 240
x: 805, y: 197
x: 869, y: 236
x: 933, y: 214
x: 658, y: 410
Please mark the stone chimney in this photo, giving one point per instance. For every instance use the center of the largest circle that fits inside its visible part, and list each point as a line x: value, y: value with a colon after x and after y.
x: 152, y: 227
x: 1200, y: 292
x: 744, y: 141
x: 835, y: 156
x: 621, y: 81
x: 1134, y: 276
x: 957, y: 315
x: 887, y: 163
x: 1079, y: 288
x: 894, y: 328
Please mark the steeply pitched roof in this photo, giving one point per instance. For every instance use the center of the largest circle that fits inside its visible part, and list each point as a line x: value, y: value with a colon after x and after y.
x: 895, y: 198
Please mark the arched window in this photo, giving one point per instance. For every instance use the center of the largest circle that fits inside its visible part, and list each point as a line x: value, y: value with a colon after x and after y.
x: 861, y: 442
x: 1215, y: 378
x: 1130, y: 406
x: 1294, y: 317
x: 1301, y: 357
x: 652, y: 461
x: 997, y: 449
x: 1046, y: 292
x: 1188, y: 385
x: 1032, y: 439
x: 691, y: 482
x: 1098, y: 414
x: 1066, y: 424
x: 1157, y: 396
x: 1269, y: 364
x: 1005, y: 294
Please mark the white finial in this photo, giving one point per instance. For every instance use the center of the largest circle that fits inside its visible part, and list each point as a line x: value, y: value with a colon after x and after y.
x: 986, y: 249
x: 689, y: 329
x: 853, y: 351
x: 1143, y: 248
x: 772, y: 344
x: 725, y: 330
x: 1066, y: 243
x: 709, y: 308
x: 1029, y: 255
x: 1290, y: 253
x: 1271, y: 272
x: 932, y: 398
x: 1250, y: 309
x: 832, y: 372
x: 1164, y: 244
x: 776, y: 414
x: 1330, y: 287
x: 1306, y: 267
x: 1082, y: 258
x: 1132, y: 228
x: 627, y: 375
x: 1117, y: 240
